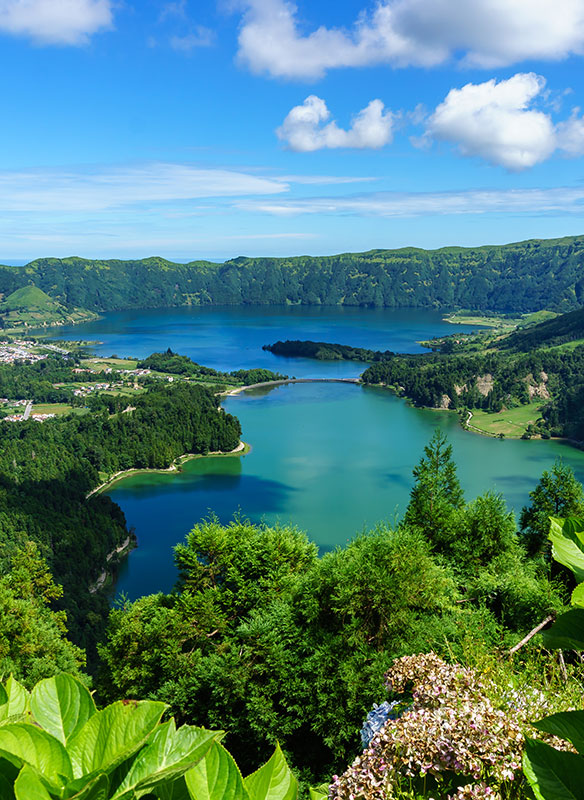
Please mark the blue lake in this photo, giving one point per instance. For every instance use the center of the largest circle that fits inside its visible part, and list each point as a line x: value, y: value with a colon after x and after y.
x: 332, y: 459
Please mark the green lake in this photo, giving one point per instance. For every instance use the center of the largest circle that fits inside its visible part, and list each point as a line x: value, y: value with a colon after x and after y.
x: 332, y: 458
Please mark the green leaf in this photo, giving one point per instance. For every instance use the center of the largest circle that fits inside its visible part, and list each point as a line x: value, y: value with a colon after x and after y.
x: 567, y: 538
x: 216, y: 777
x: 3, y: 695
x: 273, y: 781
x: 28, y: 786
x: 567, y: 632
x: 22, y: 743
x: 552, y: 774
x: 18, y: 700
x: 112, y: 735
x: 319, y: 792
x: 167, y: 756
x: 567, y: 725
x: 177, y: 790
x: 61, y: 705
x: 578, y: 596
x: 96, y: 789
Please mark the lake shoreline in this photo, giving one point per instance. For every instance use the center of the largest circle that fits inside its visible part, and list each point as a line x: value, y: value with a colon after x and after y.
x: 242, y: 449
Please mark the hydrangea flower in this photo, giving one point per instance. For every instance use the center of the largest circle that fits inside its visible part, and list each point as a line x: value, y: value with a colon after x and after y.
x: 454, y: 734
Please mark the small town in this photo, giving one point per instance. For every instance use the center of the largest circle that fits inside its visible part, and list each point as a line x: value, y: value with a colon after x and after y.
x: 20, y: 350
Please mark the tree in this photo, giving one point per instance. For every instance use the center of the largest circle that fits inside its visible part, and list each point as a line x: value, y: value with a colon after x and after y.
x: 558, y: 494
x: 33, y: 637
x: 437, y: 492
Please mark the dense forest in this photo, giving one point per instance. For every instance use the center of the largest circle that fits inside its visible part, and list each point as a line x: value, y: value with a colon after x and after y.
x: 175, y: 364
x: 47, y: 470
x: 262, y: 636
x: 269, y: 641
x: 526, y: 276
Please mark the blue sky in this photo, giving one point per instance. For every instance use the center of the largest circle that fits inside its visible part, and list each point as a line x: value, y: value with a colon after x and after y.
x: 265, y: 127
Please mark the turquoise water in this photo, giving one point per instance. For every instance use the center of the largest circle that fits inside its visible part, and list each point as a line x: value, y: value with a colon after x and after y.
x: 331, y: 458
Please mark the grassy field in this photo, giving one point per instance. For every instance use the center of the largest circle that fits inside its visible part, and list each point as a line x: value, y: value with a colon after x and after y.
x: 567, y: 347
x: 499, y: 322
x: 52, y: 408
x: 99, y: 364
x: 512, y: 423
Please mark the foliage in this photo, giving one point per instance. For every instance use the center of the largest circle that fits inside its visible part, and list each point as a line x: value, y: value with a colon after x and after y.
x: 46, y: 472
x: 436, y: 492
x: 33, y: 637
x: 553, y: 774
x: 55, y: 743
x: 268, y: 641
x: 525, y: 276
x: 558, y: 494
x: 182, y: 365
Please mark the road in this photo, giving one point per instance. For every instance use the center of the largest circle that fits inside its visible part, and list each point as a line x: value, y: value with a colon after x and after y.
x: 27, y: 410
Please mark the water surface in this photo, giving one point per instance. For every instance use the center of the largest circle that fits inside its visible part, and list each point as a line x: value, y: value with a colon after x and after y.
x: 231, y: 337
x: 331, y: 458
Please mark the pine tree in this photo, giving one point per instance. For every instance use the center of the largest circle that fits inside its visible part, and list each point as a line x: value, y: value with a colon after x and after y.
x: 558, y: 494
x: 437, y: 493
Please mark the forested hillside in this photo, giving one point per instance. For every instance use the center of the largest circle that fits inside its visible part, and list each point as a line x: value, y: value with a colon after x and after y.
x: 47, y: 470
x: 518, y: 277
x: 551, y: 333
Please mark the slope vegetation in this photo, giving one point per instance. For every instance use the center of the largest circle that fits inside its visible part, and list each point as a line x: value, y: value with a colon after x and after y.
x: 520, y: 277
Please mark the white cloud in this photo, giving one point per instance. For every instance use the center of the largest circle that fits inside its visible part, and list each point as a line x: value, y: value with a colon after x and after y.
x: 493, y: 120
x: 60, y: 22
x: 173, y: 9
x: 570, y: 135
x: 304, y: 130
x: 564, y: 200
x: 200, y: 37
x: 109, y: 188
x: 484, y: 33
x: 497, y: 122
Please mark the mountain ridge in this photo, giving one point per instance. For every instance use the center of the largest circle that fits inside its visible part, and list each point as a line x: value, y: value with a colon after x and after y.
x: 518, y: 277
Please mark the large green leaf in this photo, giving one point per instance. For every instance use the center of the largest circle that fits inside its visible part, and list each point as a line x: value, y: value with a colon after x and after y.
x: 319, y: 792
x: 95, y: 789
x: 273, y: 781
x: 567, y: 538
x: 22, y: 743
x: 18, y: 700
x: 177, y: 790
x: 567, y: 725
x: 552, y: 774
x: 61, y: 705
x: 28, y: 786
x: 216, y: 777
x: 578, y: 596
x: 567, y: 632
x: 167, y: 756
x: 112, y: 735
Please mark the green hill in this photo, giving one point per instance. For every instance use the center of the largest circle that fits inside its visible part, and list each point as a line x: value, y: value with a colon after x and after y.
x: 30, y: 298
x: 31, y: 307
x: 521, y: 277
x: 565, y: 329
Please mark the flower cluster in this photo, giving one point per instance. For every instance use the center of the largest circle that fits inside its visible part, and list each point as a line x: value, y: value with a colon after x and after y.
x: 451, y: 733
x: 377, y: 719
